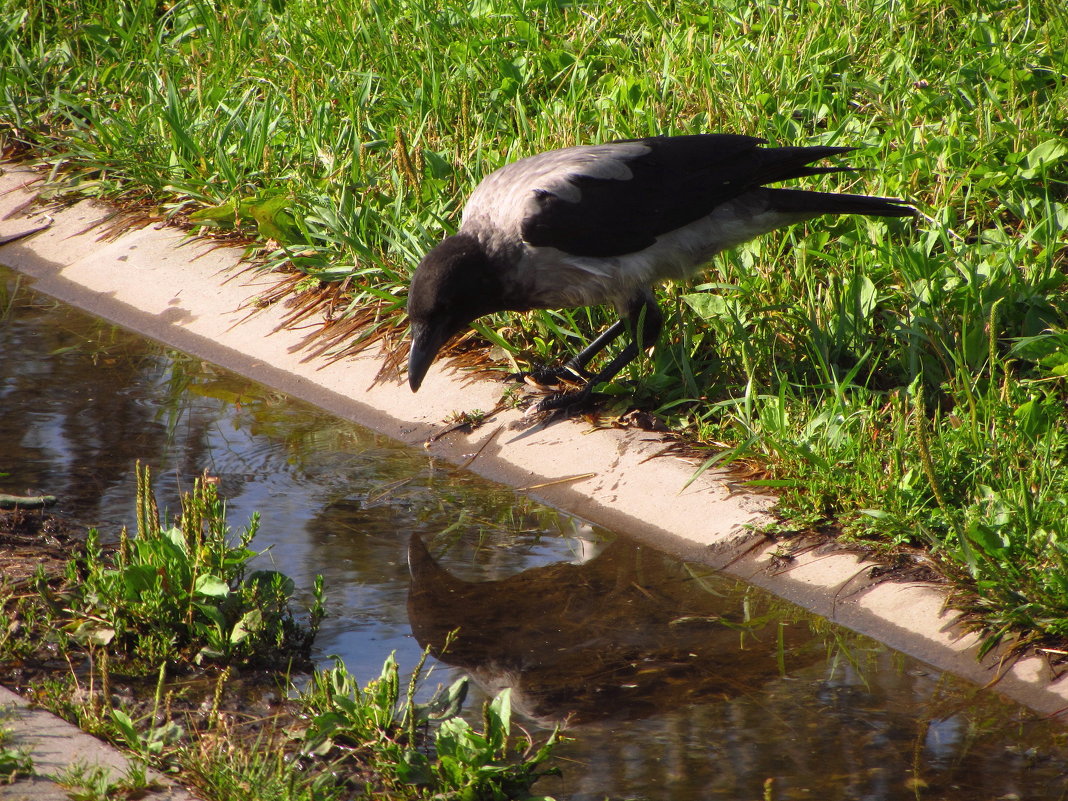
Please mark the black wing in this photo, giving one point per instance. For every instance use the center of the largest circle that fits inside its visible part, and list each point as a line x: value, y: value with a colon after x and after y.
x: 679, y: 180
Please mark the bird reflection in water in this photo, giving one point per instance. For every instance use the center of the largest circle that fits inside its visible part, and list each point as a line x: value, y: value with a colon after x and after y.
x: 626, y: 635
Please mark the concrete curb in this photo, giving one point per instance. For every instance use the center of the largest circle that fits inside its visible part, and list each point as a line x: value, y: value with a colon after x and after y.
x: 55, y: 746
x: 184, y: 293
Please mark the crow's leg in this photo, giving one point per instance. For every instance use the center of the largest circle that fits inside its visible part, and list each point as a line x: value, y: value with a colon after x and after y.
x: 574, y: 369
x: 642, y: 312
x: 578, y: 362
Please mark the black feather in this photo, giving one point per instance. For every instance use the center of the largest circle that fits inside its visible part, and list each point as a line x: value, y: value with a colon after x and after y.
x: 681, y: 179
x: 805, y: 201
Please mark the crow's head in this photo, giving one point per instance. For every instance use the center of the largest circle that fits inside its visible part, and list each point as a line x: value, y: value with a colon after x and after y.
x: 453, y: 285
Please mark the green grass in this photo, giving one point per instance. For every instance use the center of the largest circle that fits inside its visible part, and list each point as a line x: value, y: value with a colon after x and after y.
x: 905, y: 381
x: 15, y: 760
x: 97, y: 783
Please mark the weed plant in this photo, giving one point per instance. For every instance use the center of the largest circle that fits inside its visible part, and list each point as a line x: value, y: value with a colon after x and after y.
x: 181, y: 601
x: 97, y: 783
x: 335, y: 740
x: 184, y: 592
x: 904, y: 382
x: 15, y: 762
x: 377, y: 724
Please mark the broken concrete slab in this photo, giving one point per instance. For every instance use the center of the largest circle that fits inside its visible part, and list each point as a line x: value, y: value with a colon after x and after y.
x: 191, y: 295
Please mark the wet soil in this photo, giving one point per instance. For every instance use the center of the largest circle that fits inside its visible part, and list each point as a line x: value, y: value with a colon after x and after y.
x: 33, y: 540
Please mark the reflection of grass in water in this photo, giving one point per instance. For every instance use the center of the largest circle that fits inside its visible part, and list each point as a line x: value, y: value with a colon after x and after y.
x: 9, y: 293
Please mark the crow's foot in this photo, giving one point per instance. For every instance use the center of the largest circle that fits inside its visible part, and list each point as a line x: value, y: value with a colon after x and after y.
x: 571, y: 401
x: 545, y: 377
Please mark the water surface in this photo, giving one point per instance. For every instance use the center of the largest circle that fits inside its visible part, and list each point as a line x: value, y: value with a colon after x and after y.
x: 675, y: 682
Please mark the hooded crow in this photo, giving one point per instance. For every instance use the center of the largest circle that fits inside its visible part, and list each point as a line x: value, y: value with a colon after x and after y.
x: 601, y: 224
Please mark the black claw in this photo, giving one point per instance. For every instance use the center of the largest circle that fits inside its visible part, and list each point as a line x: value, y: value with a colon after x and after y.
x: 575, y: 400
x: 551, y: 376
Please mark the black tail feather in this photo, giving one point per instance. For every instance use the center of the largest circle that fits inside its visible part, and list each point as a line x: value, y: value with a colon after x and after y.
x: 785, y: 163
x: 805, y: 202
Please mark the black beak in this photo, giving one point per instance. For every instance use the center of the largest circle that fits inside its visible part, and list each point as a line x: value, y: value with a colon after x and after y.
x: 426, y: 342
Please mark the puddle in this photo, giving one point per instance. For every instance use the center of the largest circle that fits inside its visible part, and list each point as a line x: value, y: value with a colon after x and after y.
x: 678, y: 683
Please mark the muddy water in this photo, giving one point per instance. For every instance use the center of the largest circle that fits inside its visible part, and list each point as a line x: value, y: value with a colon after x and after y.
x: 677, y: 683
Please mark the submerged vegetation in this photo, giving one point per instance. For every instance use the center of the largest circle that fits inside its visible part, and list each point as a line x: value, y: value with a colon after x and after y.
x: 152, y: 643
x: 905, y: 383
